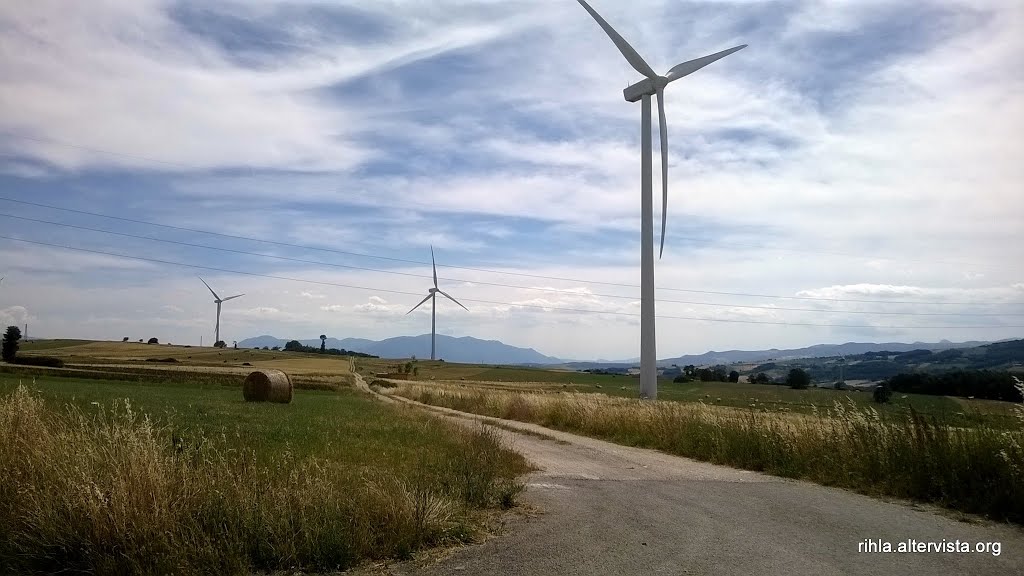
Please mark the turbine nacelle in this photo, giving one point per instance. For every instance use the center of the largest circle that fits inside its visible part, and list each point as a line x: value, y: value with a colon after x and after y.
x: 645, y: 87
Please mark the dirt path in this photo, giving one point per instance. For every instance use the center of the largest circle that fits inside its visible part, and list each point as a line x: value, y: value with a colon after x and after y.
x: 610, y: 509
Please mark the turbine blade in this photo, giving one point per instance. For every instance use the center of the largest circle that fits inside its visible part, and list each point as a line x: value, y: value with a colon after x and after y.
x: 689, y: 67
x: 420, y: 304
x: 208, y: 287
x: 663, y: 130
x: 232, y: 297
x: 434, y: 264
x: 446, y: 295
x: 631, y: 55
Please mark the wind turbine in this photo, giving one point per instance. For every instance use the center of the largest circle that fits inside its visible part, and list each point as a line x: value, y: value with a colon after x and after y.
x: 432, y: 296
x: 218, y: 300
x: 642, y: 91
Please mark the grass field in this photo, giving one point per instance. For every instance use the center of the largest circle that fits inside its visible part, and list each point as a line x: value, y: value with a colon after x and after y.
x: 189, y: 479
x: 954, y: 411
x: 977, y: 469
x: 101, y: 353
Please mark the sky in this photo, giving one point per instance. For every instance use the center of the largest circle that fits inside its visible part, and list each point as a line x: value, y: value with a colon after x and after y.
x: 855, y: 174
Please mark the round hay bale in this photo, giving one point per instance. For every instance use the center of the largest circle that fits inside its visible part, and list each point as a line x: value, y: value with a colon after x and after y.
x: 268, y: 386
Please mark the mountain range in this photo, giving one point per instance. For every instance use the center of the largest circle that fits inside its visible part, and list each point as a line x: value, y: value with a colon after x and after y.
x: 475, y: 351
x: 467, y: 349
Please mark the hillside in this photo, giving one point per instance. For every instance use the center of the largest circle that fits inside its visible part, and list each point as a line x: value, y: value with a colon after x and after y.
x: 877, y: 365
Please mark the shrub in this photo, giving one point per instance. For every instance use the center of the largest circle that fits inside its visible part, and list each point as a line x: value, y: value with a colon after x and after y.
x: 219, y: 344
x: 10, y: 343
x: 125, y: 339
x: 734, y: 376
x: 882, y: 393
x: 798, y: 379
x: 152, y: 341
x: 47, y: 361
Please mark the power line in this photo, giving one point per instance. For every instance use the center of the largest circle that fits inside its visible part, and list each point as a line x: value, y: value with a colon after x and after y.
x: 511, y: 304
x: 732, y: 244
x: 520, y: 274
x: 533, y: 288
x: 100, y: 151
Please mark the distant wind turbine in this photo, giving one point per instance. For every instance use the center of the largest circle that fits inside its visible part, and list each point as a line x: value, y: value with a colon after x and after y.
x: 432, y: 296
x: 642, y: 90
x: 218, y: 300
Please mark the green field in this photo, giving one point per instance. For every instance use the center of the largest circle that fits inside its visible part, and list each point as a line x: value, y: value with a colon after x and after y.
x: 188, y: 478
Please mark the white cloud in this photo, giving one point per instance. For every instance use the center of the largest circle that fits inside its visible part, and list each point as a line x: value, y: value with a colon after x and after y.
x: 914, y: 167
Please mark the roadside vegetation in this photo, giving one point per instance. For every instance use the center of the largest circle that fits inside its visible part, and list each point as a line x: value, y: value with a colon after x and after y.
x: 186, y: 478
x: 977, y: 469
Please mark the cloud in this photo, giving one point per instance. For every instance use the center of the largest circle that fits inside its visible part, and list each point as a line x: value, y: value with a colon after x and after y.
x: 857, y: 150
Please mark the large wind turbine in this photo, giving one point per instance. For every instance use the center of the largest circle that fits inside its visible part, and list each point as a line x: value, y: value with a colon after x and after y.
x: 218, y: 300
x: 642, y: 90
x: 432, y: 296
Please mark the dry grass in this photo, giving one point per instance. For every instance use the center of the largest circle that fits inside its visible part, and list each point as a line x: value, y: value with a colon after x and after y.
x: 979, y: 470
x: 114, y: 493
x: 133, y: 355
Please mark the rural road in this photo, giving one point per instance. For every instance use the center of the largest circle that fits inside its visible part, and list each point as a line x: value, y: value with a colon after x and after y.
x: 610, y: 509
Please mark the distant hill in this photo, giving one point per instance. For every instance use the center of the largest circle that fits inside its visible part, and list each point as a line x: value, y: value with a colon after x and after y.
x: 878, y: 365
x: 476, y: 351
x: 466, y: 349
x: 729, y: 357
x: 816, y: 351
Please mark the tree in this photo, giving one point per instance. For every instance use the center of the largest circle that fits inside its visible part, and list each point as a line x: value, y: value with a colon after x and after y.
x: 798, y: 379
x: 882, y: 393
x: 293, y: 346
x: 219, y: 344
x: 153, y: 340
x: 10, y: 343
x: 690, y: 371
x: 323, y: 343
x: 125, y: 339
x: 275, y: 348
x: 734, y: 376
x: 718, y: 373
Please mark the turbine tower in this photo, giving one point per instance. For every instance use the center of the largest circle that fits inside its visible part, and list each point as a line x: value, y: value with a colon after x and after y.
x: 218, y: 301
x: 432, y: 296
x: 652, y: 84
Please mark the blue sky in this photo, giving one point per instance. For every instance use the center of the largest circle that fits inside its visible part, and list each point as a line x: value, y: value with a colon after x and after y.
x: 863, y: 152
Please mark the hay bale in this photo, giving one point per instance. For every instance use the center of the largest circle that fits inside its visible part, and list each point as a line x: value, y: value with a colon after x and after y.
x: 268, y: 386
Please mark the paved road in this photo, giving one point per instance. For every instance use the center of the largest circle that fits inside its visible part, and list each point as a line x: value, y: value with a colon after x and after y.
x: 609, y: 509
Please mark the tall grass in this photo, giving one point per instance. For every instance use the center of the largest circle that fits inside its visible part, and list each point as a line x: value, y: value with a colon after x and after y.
x: 978, y: 470
x: 112, y: 492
